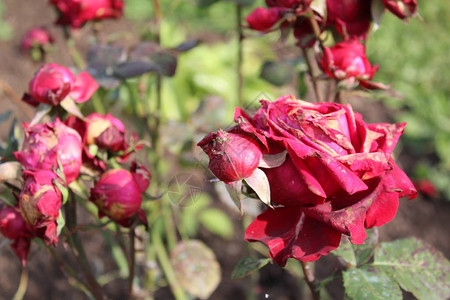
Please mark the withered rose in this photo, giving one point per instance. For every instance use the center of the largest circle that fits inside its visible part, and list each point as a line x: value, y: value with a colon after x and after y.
x: 77, y: 12
x: 336, y: 176
x: 106, y: 132
x: 40, y: 201
x: 13, y: 227
x: 46, y: 144
x: 403, y: 9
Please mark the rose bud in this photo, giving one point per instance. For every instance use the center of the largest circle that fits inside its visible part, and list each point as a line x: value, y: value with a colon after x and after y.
x: 40, y: 201
x: 262, y: 19
x: 404, y: 9
x: 106, y: 132
x: 117, y: 195
x: 52, y: 83
x: 426, y: 187
x: 350, y: 17
x: 232, y: 155
x: 13, y: 227
x: 347, y: 61
x: 77, y: 12
x: 35, y: 38
x: 47, y: 144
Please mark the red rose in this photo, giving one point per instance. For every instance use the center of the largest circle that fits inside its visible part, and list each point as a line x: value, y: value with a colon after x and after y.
x: 347, y: 61
x: 36, y: 37
x: 262, y: 19
x: 350, y: 17
x: 118, y: 195
x: 337, y: 177
x: 53, y: 83
x: 40, y: 201
x: 13, y: 227
x: 46, y: 144
x: 77, y: 12
x: 403, y: 9
x: 233, y: 155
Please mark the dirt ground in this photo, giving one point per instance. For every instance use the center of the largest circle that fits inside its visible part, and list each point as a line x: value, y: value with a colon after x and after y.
x: 426, y: 219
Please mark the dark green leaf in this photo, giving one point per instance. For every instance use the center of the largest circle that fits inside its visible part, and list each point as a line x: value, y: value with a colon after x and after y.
x: 206, y: 3
x: 364, y: 252
x: 345, y: 251
x: 370, y: 283
x: 135, y: 68
x: 186, y: 46
x: 242, y: 2
x: 166, y: 62
x: 277, y: 73
x: 417, y: 267
x: 248, y: 265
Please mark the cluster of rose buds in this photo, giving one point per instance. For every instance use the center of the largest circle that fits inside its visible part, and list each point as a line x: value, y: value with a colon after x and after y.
x: 76, y: 13
x: 324, y: 170
x: 55, y: 153
x: 346, y: 62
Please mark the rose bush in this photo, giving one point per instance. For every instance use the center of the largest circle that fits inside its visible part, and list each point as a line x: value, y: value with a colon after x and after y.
x: 52, y: 83
x: 50, y: 144
x: 40, y: 201
x: 337, y: 176
x: 77, y: 12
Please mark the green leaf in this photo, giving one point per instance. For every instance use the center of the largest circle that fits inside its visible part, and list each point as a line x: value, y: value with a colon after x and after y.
x: 370, y: 283
x: 217, y: 222
x: 417, y: 267
x: 364, y: 252
x: 196, y: 268
x: 64, y: 191
x: 248, y: 265
x: 345, y: 251
x: 61, y: 222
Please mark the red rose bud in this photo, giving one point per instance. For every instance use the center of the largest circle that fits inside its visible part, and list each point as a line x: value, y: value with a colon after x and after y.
x: 262, y: 19
x: 13, y: 227
x: 52, y: 83
x: 304, y: 33
x: 141, y: 175
x: 117, y: 195
x: 403, y: 9
x: 232, y: 156
x: 350, y: 17
x: 46, y: 144
x: 347, y: 60
x: 77, y: 12
x: 36, y: 37
x: 426, y: 187
x: 106, y: 132
x: 40, y: 201
x: 338, y: 177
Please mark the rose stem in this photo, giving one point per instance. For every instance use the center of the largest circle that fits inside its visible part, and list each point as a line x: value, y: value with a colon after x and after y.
x: 240, y: 46
x: 22, y: 289
x: 310, y: 280
x: 132, y: 262
x: 164, y: 261
x: 312, y: 75
x: 77, y: 246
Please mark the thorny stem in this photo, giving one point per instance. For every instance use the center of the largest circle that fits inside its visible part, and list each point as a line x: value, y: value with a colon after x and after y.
x: 22, y: 289
x: 132, y: 261
x: 310, y: 280
x: 77, y: 248
x: 240, y: 77
x: 312, y: 75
